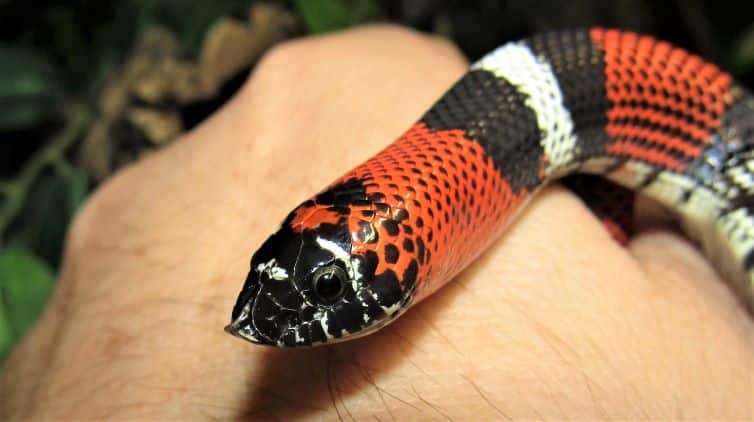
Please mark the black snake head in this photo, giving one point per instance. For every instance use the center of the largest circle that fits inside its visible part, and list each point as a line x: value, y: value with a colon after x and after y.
x: 306, y: 288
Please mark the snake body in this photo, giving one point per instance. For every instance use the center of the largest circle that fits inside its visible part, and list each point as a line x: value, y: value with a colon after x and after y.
x: 387, y: 234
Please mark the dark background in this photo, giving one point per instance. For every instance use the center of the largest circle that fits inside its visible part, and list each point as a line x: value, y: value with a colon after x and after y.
x: 61, y: 61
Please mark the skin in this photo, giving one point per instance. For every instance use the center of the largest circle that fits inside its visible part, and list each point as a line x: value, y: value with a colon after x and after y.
x: 556, y: 320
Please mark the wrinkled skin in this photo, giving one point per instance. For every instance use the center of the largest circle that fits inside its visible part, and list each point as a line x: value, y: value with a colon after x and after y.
x: 556, y: 320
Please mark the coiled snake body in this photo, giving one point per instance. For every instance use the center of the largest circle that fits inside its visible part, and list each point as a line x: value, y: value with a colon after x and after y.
x: 633, y: 110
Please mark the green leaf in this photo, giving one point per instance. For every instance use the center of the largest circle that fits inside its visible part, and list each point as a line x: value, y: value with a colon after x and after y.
x: 7, y: 336
x: 26, y: 283
x: 331, y: 15
x: 68, y: 41
x: 190, y: 23
x: 43, y: 224
x: 741, y: 58
x: 30, y: 91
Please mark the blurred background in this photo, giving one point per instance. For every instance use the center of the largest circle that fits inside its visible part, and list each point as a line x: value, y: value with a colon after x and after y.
x: 87, y: 87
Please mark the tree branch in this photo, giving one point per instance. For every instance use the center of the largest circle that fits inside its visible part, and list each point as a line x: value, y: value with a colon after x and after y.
x: 16, y: 191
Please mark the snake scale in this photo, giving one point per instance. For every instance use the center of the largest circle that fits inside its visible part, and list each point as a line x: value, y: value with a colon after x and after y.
x: 626, y: 107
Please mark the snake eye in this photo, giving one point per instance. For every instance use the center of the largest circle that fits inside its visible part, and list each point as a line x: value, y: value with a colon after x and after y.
x: 329, y: 283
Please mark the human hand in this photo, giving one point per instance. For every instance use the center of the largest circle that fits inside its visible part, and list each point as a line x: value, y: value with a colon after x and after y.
x: 554, y: 321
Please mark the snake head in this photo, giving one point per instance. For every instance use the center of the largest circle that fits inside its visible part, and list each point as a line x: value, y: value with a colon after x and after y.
x: 307, y: 287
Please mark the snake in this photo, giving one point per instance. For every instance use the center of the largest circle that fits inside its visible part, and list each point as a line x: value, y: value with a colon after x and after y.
x: 613, y: 105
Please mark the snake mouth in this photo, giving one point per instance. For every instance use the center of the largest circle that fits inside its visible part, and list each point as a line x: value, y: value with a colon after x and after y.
x: 268, y: 312
x: 243, y: 327
x: 246, y: 329
x: 242, y: 324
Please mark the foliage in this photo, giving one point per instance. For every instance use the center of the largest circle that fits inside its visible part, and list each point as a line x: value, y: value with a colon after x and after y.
x: 188, y: 20
x: 51, y: 205
x: 25, y: 284
x: 741, y: 57
x: 329, y: 15
x: 29, y: 88
x: 48, y: 80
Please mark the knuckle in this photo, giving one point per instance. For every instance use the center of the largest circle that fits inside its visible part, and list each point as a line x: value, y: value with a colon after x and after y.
x: 284, y: 54
x: 402, y: 40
